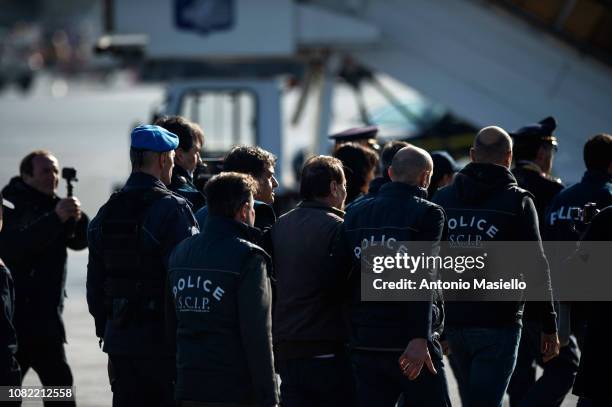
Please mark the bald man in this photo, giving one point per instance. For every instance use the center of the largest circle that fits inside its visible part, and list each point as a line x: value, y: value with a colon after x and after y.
x: 484, y: 336
x: 395, y: 344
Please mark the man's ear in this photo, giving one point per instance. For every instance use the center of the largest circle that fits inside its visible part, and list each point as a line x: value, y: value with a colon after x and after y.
x: 390, y: 173
x: 508, y: 159
x: 425, y: 179
x: 178, y: 154
x: 472, y: 154
x: 244, y: 212
x: 333, y: 188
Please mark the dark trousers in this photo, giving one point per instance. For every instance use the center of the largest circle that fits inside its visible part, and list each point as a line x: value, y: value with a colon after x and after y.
x: 557, y: 378
x: 141, y: 382
x: 48, y: 359
x: 10, y: 375
x: 324, y: 382
x: 380, y: 382
x: 485, y: 360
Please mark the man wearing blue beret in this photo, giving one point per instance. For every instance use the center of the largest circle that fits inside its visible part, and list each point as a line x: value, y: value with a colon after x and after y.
x: 130, y: 241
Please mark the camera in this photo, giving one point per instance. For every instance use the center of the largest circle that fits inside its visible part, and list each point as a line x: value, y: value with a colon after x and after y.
x: 585, y: 214
x: 69, y: 174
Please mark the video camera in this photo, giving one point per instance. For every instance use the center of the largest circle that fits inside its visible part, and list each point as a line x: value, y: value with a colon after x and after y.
x: 69, y: 174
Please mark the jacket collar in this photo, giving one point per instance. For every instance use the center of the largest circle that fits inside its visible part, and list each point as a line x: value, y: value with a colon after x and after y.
x: 597, y: 177
x: 223, y: 226
x: 17, y: 190
x: 529, y: 165
x: 376, y: 184
x: 402, y: 189
x: 322, y: 206
x: 141, y: 180
x: 181, y: 172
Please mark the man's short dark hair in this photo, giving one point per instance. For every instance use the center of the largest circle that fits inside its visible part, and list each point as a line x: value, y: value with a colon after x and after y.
x: 187, y: 132
x: 27, y: 163
x: 142, y: 158
x: 227, y: 192
x: 317, y: 174
x: 598, y: 152
x: 248, y: 160
x: 358, y: 161
x: 388, y: 152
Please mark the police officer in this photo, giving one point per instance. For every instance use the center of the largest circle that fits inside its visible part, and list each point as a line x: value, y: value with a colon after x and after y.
x: 130, y: 241
x: 10, y: 373
x: 34, y: 245
x: 563, y: 216
x: 533, y: 151
x: 186, y: 159
x: 563, y: 219
x: 484, y: 337
x: 593, y: 381
x: 221, y: 295
x: 395, y: 344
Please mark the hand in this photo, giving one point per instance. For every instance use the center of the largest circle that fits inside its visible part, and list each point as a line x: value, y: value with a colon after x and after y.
x: 412, y: 360
x: 446, y: 350
x: 550, y: 346
x: 68, y: 208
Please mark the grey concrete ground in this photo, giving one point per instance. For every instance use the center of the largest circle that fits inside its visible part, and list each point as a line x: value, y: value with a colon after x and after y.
x: 87, y: 128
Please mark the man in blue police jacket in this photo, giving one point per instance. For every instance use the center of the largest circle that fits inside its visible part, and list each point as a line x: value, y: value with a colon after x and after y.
x: 563, y: 216
x: 130, y: 240
x: 395, y: 350
x: 484, y: 336
x: 221, y: 302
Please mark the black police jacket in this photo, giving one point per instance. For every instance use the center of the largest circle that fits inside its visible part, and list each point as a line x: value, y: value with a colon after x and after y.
x: 135, y: 326
x: 33, y: 244
x: 484, y: 203
x: 543, y: 188
x: 9, y: 368
x: 562, y: 219
x: 399, y: 211
x: 219, y: 286
x: 311, y: 277
x: 591, y: 381
x: 264, y: 219
x: 182, y: 184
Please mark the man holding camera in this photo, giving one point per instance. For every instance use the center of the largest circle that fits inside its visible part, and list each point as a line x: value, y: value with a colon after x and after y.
x: 33, y: 245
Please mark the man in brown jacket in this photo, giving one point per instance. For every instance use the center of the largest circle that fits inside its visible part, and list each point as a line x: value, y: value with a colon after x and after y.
x: 308, y: 326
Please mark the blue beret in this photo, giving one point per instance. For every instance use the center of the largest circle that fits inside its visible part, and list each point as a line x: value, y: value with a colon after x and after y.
x: 355, y: 134
x: 153, y: 138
